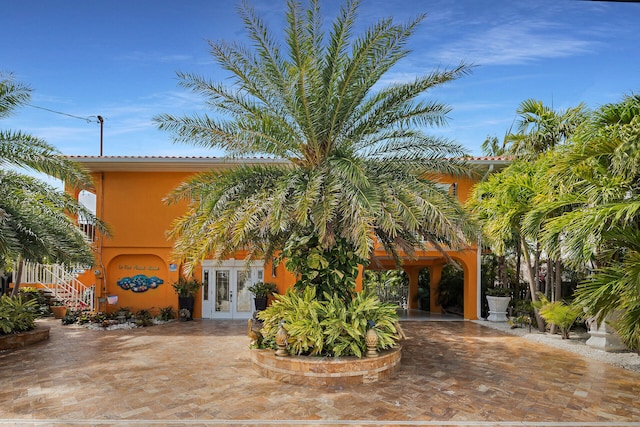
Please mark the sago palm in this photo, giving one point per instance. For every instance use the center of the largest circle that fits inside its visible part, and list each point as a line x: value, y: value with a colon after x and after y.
x: 357, y: 166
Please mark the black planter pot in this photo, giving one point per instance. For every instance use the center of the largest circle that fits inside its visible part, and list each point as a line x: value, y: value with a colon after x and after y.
x: 261, y: 303
x: 186, y: 303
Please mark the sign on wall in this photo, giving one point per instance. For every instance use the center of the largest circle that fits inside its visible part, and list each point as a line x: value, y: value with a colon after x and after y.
x: 139, y: 283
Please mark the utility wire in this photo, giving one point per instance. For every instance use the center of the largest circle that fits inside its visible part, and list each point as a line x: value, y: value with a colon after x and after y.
x: 89, y: 119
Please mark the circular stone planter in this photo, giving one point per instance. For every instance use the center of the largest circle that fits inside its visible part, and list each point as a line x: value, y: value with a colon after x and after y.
x: 326, y: 371
x: 22, y: 339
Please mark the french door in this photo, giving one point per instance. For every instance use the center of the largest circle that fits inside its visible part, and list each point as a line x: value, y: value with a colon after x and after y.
x: 225, y: 293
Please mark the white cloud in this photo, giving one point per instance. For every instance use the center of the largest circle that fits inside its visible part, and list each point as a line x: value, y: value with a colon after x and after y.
x: 514, y: 44
x: 139, y: 56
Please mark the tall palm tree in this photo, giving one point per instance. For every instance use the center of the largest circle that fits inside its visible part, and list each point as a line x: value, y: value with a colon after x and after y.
x: 35, y: 220
x: 540, y: 128
x: 500, y: 205
x: 600, y: 172
x: 359, y: 169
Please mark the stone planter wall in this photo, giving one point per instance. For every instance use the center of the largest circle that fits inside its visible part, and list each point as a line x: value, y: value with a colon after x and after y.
x: 326, y: 371
x: 11, y: 341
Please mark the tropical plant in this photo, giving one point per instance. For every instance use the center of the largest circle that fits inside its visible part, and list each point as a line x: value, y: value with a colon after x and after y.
x: 353, y: 165
x: 31, y: 293
x: 186, y: 287
x: 389, y: 285
x: 17, y: 315
x: 500, y: 203
x: 451, y: 288
x: 36, y: 220
x: 345, y: 325
x: 333, y: 271
x: 492, y: 147
x: 166, y: 313
x: 558, y: 313
x: 301, y: 312
x: 499, y: 292
x: 599, y: 173
x: 541, y: 129
x: 262, y: 289
x: 143, y: 318
x: 71, y: 317
x: 329, y: 327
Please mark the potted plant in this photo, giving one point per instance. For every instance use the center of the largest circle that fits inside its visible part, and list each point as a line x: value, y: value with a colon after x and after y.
x: 186, y: 288
x: 261, y: 292
x: 59, y: 309
x: 498, y: 300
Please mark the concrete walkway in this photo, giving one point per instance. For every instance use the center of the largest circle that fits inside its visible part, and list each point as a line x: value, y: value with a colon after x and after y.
x: 198, y: 373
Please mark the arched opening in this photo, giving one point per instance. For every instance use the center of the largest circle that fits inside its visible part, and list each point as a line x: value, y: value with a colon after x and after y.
x: 426, y: 295
x: 391, y: 286
x: 450, y: 293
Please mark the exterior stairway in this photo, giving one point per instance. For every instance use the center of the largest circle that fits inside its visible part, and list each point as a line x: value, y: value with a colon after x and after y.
x: 59, y: 283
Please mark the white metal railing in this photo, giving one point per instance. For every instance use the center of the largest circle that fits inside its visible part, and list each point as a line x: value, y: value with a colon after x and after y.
x: 88, y: 228
x: 61, y: 281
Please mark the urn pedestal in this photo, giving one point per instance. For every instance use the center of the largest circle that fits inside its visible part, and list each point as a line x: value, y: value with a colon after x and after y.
x: 498, y: 308
x: 604, y: 337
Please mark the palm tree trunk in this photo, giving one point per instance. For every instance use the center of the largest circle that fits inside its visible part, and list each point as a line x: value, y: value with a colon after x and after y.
x: 537, y: 268
x: 502, y: 271
x: 17, y: 278
x: 558, y: 280
x: 518, y: 261
x: 532, y: 281
x: 550, y: 288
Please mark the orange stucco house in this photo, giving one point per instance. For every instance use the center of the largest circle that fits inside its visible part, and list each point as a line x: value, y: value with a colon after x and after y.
x: 134, y: 267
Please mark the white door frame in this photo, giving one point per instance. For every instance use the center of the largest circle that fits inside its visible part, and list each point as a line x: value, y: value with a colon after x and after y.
x: 228, y: 307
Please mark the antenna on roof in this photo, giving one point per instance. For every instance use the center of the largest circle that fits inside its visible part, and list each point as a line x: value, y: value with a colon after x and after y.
x: 101, y: 121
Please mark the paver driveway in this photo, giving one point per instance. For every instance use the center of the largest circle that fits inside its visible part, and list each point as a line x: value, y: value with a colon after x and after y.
x: 199, y: 373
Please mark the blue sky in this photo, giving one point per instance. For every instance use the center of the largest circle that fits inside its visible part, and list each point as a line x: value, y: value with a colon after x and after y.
x: 119, y: 58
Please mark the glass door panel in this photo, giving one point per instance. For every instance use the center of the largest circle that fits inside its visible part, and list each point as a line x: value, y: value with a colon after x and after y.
x: 223, y: 293
x: 243, y: 296
x: 207, y: 293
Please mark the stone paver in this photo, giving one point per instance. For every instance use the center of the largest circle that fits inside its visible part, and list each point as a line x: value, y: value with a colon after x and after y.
x: 199, y: 373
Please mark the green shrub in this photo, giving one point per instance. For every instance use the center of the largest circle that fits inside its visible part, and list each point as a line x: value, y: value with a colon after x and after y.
x: 451, y: 288
x: 71, y: 317
x: 558, y: 313
x: 166, y: 313
x: 17, y: 315
x: 186, y: 287
x: 330, y: 327
x: 331, y: 271
x: 262, y: 289
x: 28, y: 293
x: 144, y: 317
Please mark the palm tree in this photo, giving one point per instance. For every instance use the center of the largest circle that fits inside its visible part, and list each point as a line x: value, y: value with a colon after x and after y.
x: 359, y: 167
x: 492, y: 147
x: 540, y: 128
x: 600, y: 172
x: 35, y: 220
x: 500, y: 205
